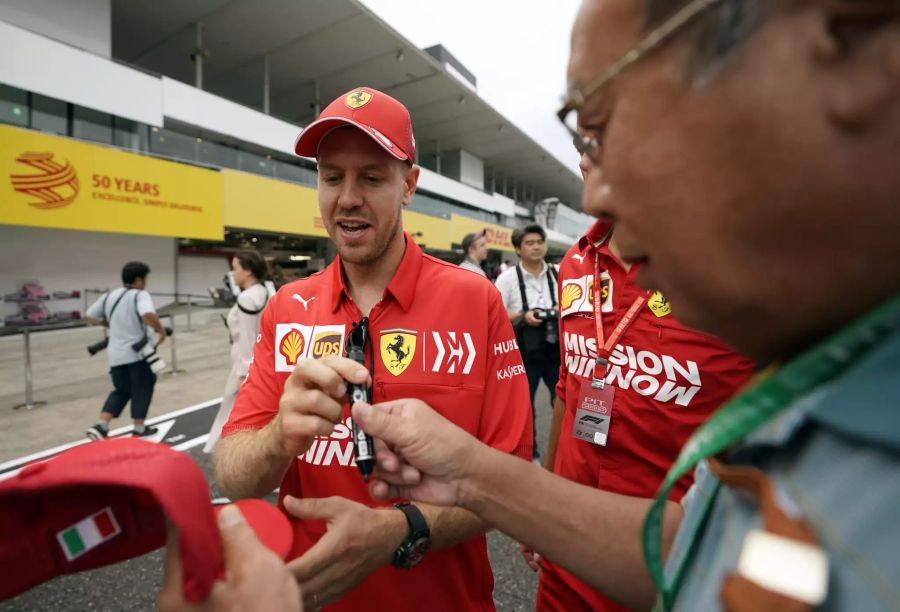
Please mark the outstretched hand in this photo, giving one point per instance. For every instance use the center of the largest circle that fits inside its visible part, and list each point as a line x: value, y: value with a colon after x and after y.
x: 421, y: 456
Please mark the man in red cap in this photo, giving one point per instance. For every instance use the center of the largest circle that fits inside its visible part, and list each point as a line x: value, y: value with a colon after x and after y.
x: 290, y: 426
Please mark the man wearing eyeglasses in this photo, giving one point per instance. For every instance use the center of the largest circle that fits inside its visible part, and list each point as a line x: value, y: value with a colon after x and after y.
x: 662, y: 380
x: 745, y: 152
x: 428, y: 330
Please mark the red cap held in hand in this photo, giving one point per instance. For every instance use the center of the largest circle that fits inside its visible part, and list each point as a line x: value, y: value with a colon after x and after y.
x: 377, y: 114
x: 108, y: 501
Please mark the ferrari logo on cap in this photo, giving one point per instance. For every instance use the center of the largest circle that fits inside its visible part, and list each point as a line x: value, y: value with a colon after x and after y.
x: 397, y: 349
x: 358, y: 99
x: 659, y: 305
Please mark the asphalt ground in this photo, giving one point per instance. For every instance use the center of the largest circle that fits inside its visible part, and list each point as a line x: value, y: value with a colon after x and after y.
x: 132, y: 585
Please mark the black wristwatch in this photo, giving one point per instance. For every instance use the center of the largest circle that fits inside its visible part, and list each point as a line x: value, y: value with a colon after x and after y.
x: 418, y: 540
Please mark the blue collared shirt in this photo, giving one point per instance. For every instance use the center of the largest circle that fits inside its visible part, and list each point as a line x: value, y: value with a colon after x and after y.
x: 834, y: 458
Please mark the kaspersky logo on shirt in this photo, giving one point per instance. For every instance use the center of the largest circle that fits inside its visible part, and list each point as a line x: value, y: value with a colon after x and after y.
x: 294, y: 342
x: 661, y: 377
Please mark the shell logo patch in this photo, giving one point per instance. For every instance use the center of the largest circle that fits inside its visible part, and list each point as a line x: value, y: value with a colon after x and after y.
x: 398, y: 346
x: 570, y: 293
x: 295, y: 342
x: 292, y: 346
x: 358, y: 99
x: 659, y: 305
x: 577, y: 294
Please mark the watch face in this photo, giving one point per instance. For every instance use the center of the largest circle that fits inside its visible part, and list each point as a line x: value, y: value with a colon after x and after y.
x: 416, y: 551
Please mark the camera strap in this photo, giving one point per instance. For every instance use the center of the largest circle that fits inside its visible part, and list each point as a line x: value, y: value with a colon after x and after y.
x: 551, y: 280
x: 140, y: 319
x: 116, y: 303
x: 251, y: 312
x: 522, y: 287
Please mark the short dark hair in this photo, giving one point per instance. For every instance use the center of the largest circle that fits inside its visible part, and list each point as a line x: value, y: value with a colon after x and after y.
x: 469, y: 239
x: 534, y: 228
x: 254, y: 263
x: 134, y: 270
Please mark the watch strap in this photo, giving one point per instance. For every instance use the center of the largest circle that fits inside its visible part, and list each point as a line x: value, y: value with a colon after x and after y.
x: 418, y: 526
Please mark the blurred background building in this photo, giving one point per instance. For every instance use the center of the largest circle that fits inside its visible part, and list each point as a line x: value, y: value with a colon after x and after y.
x: 163, y: 131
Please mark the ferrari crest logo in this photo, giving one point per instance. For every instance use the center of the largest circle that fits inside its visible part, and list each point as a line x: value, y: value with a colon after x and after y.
x: 398, y: 346
x: 659, y: 305
x: 358, y: 98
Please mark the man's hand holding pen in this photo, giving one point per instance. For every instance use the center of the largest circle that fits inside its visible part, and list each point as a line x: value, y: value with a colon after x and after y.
x: 312, y: 402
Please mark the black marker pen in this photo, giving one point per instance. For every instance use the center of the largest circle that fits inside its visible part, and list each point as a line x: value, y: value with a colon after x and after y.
x: 363, y: 448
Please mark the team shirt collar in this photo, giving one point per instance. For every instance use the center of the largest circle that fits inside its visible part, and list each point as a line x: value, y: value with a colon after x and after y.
x: 402, y: 286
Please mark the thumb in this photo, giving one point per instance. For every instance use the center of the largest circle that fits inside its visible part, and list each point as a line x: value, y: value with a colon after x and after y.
x: 237, y: 536
x: 313, y: 507
x: 378, y: 422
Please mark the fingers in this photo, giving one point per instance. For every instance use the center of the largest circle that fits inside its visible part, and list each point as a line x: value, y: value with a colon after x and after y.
x: 313, y: 562
x: 313, y: 399
x: 386, y: 459
x: 376, y: 422
x: 328, y: 374
x: 172, y: 572
x: 530, y: 558
x: 314, y: 508
x: 238, y: 539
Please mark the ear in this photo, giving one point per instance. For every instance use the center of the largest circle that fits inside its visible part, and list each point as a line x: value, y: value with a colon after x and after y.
x: 410, y: 180
x: 862, y: 63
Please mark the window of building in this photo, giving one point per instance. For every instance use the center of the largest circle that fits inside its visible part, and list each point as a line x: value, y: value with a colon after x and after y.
x: 130, y: 134
x: 89, y: 124
x: 13, y: 106
x: 172, y: 144
x: 49, y: 115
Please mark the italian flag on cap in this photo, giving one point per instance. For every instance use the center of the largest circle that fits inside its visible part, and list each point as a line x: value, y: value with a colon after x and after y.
x: 88, y: 533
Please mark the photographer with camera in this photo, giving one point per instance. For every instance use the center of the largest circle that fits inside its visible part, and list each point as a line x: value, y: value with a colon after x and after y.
x: 529, y: 292
x: 127, y: 313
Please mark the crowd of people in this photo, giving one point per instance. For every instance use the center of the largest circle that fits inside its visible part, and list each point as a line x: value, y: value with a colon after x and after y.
x: 721, y: 346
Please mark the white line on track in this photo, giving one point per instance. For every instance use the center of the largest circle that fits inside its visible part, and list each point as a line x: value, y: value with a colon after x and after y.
x: 158, y: 419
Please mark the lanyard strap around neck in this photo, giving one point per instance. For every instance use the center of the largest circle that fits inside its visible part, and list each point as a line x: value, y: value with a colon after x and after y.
x: 754, y: 406
x: 606, y: 345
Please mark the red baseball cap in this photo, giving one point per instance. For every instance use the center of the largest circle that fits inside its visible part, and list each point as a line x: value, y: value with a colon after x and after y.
x: 377, y: 114
x: 108, y: 501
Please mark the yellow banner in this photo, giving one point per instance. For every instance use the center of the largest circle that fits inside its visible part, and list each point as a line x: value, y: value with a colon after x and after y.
x: 50, y: 181
x: 260, y: 203
x: 427, y: 230
x: 256, y: 202
x: 499, y: 238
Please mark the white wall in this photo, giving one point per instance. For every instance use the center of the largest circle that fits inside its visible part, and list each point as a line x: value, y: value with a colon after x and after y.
x: 209, y: 111
x: 471, y: 170
x: 35, y: 63
x: 86, y: 24
x: 65, y: 260
x: 198, y: 272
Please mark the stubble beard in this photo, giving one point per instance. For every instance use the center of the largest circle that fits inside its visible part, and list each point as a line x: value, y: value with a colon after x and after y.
x: 362, y: 256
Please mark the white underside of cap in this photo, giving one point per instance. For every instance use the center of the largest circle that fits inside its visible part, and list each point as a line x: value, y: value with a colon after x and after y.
x: 371, y: 132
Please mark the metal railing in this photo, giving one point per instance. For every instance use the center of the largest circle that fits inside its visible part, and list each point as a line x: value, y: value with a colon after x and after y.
x: 192, y: 300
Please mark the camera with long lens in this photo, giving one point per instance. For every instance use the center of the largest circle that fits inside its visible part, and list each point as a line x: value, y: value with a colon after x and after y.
x: 550, y: 318
x: 95, y: 348
x: 147, y: 351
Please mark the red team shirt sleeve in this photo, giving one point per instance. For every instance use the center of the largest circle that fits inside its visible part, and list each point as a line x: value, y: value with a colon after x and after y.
x: 257, y: 401
x: 506, y: 412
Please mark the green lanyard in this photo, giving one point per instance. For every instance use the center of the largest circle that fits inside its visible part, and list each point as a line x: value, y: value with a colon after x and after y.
x: 753, y: 407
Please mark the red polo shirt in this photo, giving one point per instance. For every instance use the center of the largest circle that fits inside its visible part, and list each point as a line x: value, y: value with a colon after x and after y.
x: 439, y: 334
x: 668, y: 379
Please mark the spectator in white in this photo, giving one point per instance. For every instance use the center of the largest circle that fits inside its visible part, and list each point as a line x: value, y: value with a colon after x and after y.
x: 127, y: 312
x: 529, y: 291
x: 250, y: 271
x: 475, y: 248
